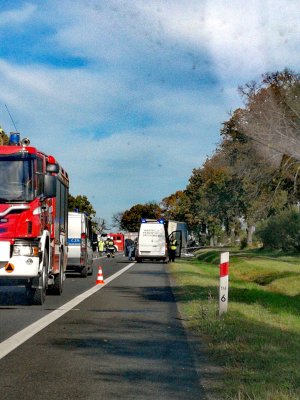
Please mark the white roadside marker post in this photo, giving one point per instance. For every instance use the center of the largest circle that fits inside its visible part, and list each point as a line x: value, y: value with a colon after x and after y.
x: 223, y: 292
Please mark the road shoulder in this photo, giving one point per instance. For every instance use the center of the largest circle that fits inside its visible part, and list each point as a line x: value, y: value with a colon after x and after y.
x: 209, y: 374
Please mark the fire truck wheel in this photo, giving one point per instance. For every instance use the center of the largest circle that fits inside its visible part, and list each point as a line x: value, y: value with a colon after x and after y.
x: 37, y: 296
x: 58, y: 284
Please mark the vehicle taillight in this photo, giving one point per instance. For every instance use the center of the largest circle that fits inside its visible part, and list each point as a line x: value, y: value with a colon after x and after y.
x: 83, y: 240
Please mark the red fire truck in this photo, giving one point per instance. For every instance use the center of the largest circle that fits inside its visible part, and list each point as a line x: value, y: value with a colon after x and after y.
x: 33, y: 219
x: 118, y: 239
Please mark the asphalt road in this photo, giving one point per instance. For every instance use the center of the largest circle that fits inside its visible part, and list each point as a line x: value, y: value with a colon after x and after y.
x: 125, y: 341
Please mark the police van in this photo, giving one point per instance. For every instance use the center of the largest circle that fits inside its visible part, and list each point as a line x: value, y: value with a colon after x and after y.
x: 153, y: 240
x: 80, y: 237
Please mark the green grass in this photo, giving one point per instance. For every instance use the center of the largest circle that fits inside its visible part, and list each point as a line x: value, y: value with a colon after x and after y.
x: 258, y: 341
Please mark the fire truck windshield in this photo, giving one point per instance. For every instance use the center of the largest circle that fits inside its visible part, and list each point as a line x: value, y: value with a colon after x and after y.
x: 16, y: 179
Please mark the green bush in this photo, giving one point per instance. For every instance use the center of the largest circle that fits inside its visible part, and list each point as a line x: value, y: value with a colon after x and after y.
x: 281, y: 231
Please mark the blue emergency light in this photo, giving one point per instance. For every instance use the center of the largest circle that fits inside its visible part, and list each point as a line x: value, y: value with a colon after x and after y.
x: 14, y: 139
x: 161, y: 221
x: 143, y: 220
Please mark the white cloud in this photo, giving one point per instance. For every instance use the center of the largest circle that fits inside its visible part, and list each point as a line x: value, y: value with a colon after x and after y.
x: 97, y: 30
x: 75, y: 98
x: 244, y: 39
x: 17, y: 16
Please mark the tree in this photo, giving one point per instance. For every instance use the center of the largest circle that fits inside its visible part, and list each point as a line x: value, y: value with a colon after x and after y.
x: 3, y: 138
x: 131, y: 219
x: 215, y: 199
x: 117, y: 219
x: 281, y: 231
x: 82, y: 204
x: 99, y: 225
x: 172, y: 206
x: 254, y: 173
x: 262, y: 143
x: 195, y: 204
x: 272, y: 113
x: 257, y: 177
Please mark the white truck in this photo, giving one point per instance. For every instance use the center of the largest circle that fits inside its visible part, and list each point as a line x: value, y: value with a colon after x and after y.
x: 154, y: 236
x: 80, y: 254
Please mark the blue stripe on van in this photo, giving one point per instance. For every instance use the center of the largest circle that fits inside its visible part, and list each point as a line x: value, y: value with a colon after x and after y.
x: 74, y: 241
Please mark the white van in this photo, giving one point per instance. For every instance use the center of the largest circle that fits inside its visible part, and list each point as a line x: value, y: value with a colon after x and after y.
x: 80, y: 251
x: 153, y: 240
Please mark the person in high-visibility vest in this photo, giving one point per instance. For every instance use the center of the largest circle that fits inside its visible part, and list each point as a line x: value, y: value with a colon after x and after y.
x: 101, y: 247
x: 172, y: 248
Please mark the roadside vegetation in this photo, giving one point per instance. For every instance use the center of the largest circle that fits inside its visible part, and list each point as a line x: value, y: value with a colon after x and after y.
x: 257, y: 343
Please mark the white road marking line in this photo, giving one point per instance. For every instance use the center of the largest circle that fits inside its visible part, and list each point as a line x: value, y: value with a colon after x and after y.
x: 19, y: 338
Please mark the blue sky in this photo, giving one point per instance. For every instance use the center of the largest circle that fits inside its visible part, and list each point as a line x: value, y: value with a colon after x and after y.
x: 130, y: 96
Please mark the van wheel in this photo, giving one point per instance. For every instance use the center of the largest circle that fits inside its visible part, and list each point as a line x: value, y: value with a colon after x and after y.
x: 138, y: 260
x: 90, y: 273
x: 84, y: 272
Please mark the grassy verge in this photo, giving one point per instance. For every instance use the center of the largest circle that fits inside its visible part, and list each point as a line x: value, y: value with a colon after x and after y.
x: 258, y: 341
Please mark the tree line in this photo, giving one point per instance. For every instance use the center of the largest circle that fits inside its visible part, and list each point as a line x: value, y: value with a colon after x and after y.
x: 252, y: 176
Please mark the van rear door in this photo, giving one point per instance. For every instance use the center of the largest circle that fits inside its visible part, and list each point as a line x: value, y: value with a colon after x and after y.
x: 152, y: 240
x: 178, y: 237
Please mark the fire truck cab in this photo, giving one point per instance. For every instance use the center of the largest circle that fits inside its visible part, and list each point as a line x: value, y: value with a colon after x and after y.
x: 33, y: 219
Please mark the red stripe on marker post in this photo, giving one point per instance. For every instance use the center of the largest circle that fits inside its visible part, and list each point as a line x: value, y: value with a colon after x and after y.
x: 224, y: 268
x: 223, y: 292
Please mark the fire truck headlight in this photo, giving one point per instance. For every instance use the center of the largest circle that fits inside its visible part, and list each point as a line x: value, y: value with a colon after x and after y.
x: 26, y: 250
x: 16, y: 251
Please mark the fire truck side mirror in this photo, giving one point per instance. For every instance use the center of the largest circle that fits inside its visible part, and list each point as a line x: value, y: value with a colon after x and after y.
x: 49, y: 186
x: 52, y: 168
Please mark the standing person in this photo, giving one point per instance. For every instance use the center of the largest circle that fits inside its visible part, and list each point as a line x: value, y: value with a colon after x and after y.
x: 101, y: 247
x: 172, y: 248
x: 110, y: 246
x: 131, y: 249
x: 128, y: 243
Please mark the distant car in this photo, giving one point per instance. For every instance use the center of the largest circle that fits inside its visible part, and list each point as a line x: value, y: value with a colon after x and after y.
x: 80, y: 250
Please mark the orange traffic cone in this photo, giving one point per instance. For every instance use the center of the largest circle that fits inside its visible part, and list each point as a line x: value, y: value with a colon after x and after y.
x: 100, y: 279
